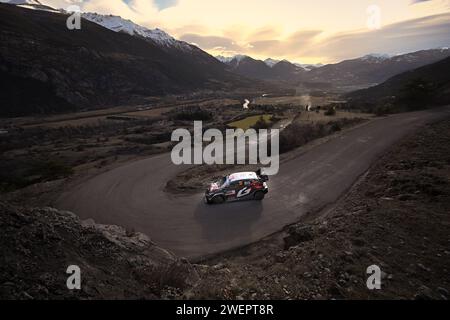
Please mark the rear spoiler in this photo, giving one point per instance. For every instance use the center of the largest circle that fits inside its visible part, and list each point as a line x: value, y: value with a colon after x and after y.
x: 261, y: 175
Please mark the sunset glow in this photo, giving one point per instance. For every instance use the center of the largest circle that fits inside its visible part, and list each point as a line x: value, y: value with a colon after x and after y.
x: 298, y: 30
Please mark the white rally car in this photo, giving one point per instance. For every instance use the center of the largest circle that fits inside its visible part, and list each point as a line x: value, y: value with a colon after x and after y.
x: 238, y: 186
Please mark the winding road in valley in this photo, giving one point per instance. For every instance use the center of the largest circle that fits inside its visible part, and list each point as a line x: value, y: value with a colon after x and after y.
x: 133, y: 195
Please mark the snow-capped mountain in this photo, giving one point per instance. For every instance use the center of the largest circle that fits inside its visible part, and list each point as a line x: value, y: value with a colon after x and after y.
x: 238, y: 58
x: 376, y: 57
x: 363, y: 71
x: 309, y: 67
x: 249, y: 67
x: 114, y: 23
x: 17, y: 2
x: 387, y: 93
x: 374, y: 68
x: 235, y: 59
x: 30, y: 4
x: 270, y: 69
x: 271, y: 62
x: 224, y: 59
x: 119, y: 24
x: 53, y: 72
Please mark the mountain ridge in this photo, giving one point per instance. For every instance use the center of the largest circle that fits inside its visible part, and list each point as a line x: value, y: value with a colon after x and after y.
x: 365, y: 71
x: 413, y: 89
x: 93, y: 67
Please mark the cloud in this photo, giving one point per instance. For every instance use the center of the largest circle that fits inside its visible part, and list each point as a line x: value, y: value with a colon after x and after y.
x: 412, y: 35
x: 164, y: 4
x: 418, y: 1
x: 264, y: 33
x: 212, y: 42
x: 300, y: 30
x: 293, y: 44
x: 308, y: 45
x: 160, y: 4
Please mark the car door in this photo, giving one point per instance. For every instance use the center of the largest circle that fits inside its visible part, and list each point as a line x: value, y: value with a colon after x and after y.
x: 232, y: 190
x: 245, y: 188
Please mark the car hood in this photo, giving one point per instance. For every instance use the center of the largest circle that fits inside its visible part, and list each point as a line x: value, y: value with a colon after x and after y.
x: 214, y: 187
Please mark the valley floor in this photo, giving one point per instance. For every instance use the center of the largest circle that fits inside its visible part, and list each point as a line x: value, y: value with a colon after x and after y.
x: 396, y: 217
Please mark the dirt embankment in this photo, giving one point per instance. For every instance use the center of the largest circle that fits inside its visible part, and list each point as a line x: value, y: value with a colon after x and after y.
x: 38, y: 245
x: 396, y: 217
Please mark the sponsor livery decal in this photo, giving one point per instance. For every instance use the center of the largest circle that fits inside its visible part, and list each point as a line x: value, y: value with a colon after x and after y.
x: 244, y: 192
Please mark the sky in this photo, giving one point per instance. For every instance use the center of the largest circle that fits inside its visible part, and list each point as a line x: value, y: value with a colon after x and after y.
x: 318, y: 31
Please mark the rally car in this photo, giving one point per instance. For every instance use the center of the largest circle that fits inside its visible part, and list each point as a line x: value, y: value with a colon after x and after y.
x: 237, y: 187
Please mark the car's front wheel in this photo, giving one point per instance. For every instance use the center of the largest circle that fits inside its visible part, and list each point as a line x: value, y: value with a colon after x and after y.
x: 218, y: 200
x: 259, y: 195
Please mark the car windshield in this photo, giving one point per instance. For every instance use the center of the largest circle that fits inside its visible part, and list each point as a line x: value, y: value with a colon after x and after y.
x: 221, y: 181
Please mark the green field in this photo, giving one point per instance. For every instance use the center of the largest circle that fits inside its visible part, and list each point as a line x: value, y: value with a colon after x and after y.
x: 249, y: 122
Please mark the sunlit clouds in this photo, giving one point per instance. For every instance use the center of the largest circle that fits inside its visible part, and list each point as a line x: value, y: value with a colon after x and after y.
x: 298, y: 30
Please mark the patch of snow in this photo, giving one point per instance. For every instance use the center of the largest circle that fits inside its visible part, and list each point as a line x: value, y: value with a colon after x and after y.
x: 224, y: 59
x: 31, y: 4
x: 22, y: 2
x: 239, y: 57
x: 118, y: 24
x: 114, y: 23
x: 376, y: 57
x: 308, y: 67
x: 271, y: 62
x: 33, y: 7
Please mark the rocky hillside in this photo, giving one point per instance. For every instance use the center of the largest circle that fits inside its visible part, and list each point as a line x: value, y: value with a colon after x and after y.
x: 346, y: 75
x: 374, y: 69
x: 39, y: 244
x: 415, y: 89
x: 269, y: 70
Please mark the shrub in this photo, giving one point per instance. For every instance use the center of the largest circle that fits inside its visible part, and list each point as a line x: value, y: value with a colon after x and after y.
x: 262, y: 124
x: 335, y: 127
x: 195, y: 114
x: 16, y: 174
x: 416, y: 94
x: 297, y: 134
x: 382, y: 110
x: 150, y: 139
x: 331, y: 111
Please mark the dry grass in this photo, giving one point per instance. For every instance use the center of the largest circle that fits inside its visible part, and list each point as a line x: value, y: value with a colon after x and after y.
x: 249, y: 122
x: 320, y: 117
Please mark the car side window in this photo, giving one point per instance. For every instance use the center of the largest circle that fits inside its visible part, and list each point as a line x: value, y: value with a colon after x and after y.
x: 236, y: 185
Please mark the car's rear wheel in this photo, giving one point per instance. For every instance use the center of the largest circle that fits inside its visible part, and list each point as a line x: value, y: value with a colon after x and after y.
x: 218, y: 200
x: 259, y: 195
